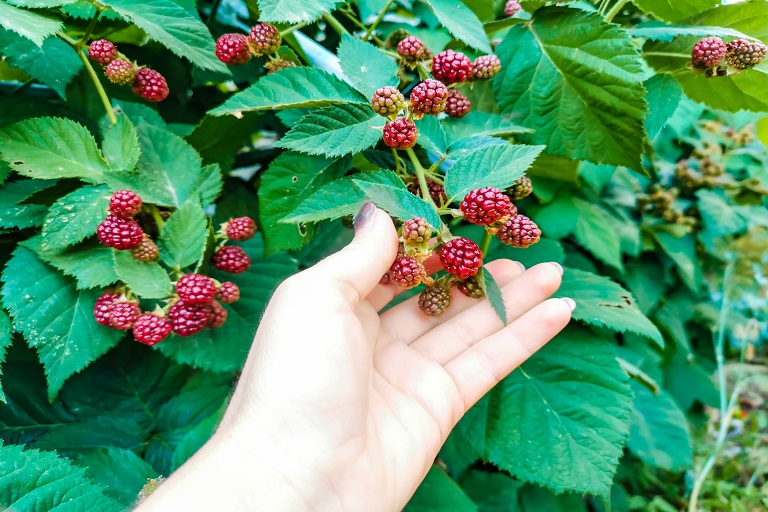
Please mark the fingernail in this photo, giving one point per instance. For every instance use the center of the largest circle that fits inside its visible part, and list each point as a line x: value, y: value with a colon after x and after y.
x: 558, y: 266
x: 522, y: 267
x: 571, y: 303
x: 364, y: 216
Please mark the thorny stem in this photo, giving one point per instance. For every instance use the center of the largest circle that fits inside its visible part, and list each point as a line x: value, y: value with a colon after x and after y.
x: 377, y: 21
x: 420, y: 174
x: 287, y: 31
x: 485, y: 243
x: 616, y: 9
x: 334, y: 23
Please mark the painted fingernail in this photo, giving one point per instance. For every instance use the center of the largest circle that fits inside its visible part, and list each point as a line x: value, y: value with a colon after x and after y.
x: 522, y: 267
x: 571, y: 303
x: 558, y: 266
x: 364, y: 216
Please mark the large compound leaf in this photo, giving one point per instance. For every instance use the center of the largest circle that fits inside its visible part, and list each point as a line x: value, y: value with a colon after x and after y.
x: 531, y: 426
x: 576, y: 80
x: 297, y: 87
x: 74, y: 217
x: 295, y: 11
x: 367, y: 67
x: 674, y: 10
x: 461, y: 22
x: 27, y: 24
x: 54, y: 316
x: 183, y: 238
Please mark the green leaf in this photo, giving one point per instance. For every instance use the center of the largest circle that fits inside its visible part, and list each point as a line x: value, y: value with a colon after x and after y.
x: 480, y: 123
x: 74, y: 217
x: 663, y: 97
x: 175, y: 28
x: 494, y: 295
x: 28, y: 24
x: 147, y: 280
x: 398, y: 202
x: 603, y: 303
x: 432, y: 135
x: 121, y: 145
x: 493, y: 492
x: 294, y: 11
x: 659, y: 31
x: 31, y: 480
x: 92, y: 265
x: 682, y: 251
x: 288, y: 181
x: 660, y: 435
x: 120, y: 471
x: 211, y: 184
x: 50, y: 148
x: 296, y: 87
x: 54, y: 63
x: 439, y: 492
x: 183, y: 238
x: 366, y: 67
x: 576, y: 80
x: 196, y: 437
x: 335, y: 131
x: 595, y: 233
x: 491, y: 166
x: 6, y: 339
x: 461, y: 22
x: 674, y: 10
x: 13, y: 214
x: 544, y: 251
x: 531, y: 426
x: 54, y: 316
x: 40, y: 4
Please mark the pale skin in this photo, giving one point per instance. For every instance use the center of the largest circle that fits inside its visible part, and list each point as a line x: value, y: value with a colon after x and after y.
x: 341, y: 408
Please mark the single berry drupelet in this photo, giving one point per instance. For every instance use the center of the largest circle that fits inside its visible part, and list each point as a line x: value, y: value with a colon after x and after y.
x: 196, y: 289
x: 428, y: 97
x: 412, y: 49
x: 400, y: 133
x: 146, y: 251
x: 217, y: 316
x: 457, y: 105
x: 519, y: 231
x: 388, y: 101
x: 228, y: 292
x: 471, y: 288
x: 511, y: 8
x: 119, y: 233
x: 434, y: 300
x: 461, y: 257
x: 416, y: 230
x: 406, y: 272
x: 101, y: 308
x: 485, y: 67
x: 451, y: 67
x: 125, y: 203
x: 187, y: 319
x: 102, y: 51
x: 120, y: 72
x: 708, y: 53
x: 232, y: 259
x: 151, y: 329
x: 521, y: 189
x: 123, y: 314
x: 485, y: 206
x: 150, y: 85
x: 241, y: 228
x: 278, y: 64
x: 233, y: 49
x: 264, y: 39
x: 743, y: 54
x: 436, y: 190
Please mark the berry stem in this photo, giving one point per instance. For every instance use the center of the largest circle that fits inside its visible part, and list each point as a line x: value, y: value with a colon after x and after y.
x: 79, y: 48
x: 287, y: 31
x: 616, y: 9
x: 351, y: 17
x: 377, y: 21
x: 485, y: 243
x: 156, y: 215
x: 421, y: 175
x: 335, y: 24
x: 90, y: 28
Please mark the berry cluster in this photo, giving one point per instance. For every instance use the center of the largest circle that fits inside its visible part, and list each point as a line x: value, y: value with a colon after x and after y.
x: 144, y: 82
x: 715, y: 57
x: 231, y: 258
x: 263, y: 40
x: 120, y: 230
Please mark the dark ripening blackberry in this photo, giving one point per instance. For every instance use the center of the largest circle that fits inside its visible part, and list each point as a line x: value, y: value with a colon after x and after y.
x: 434, y: 300
x: 119, y: 233
x: 151, y: 329
x: 412, y: 50
x: 708, y: 53
x: 461, y: 257
x: 450, y: 67
x: 519, y: 231
x: 742, y: 54
x: 101, y: 308
x: 457, y: 105
x: 150, y: 85
x: 470, y: 287
x: 485, y: 67
x: 428, y: 98
x: 233, y: 49
x: 400, y: 133
x: 232, y: 259
x: 146, y: 251
x: 123, y: 314
x: 484, y: 206
x: 241, y: 228
x: 228, y: 293
x: 187, y: 319
x: 406, y: 272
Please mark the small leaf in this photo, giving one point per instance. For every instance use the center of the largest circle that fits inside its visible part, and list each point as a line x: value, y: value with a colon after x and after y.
x: 494, y: 295
x: 682, y: 251
x: 663, y: 97
x: 27, y: 23
x: 481, y: 123
x: 147, y: 280
x: 92, y: 265
x: 432, y: 135
x: 16, y: 215
x: 461, y: 22
x: 74, y: 217
x: 121, y: 145
x: 120, y: 471
x: 295, y: 11
x: 595, y: 233
x: 183, y: 238
x: 398, y: 202
x: 439, y: 492
x: 211, y: 184
x: 366, y: 67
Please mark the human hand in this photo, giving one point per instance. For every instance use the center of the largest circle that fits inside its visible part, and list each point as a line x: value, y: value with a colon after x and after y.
x: 341, y: 408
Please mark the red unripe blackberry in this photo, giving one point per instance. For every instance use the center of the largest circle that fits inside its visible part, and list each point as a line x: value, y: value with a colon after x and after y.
x: 416, y: 230
x: 278, y: 64
x: 119, y: 233
x: 196, y: 289
x: 151, y: 329
x: 412, y: 49
x: 150, y: 85
x: 428, y: 97
x: 708, y: 52
x: 217, y: 316
x: 241, y: 228
x: 485, y: 67
x: 485, y: 206
x: 511, y: 8
x: 406, y: 272
x: 521, y: 189
x: 125, y: 203
x: 120, y: 72
x: 434, y: 300
x: 471, y: 288
x: 388, y: 101
x: 264, y: 39
x: 123, y: 314
x: 101, y: 308
x: 457, y: 105
x: 102, y: 51
x: 461, y: 257
x: 187, y: 319
x: 233, y: 49
x: 146, y: 251
x: 436, y: 190
x: 451, y: 67
x: 400, y: 133
x: 228, y: 292
x: 519, y: 231
x: 232, y: 259
x: 743, y: 54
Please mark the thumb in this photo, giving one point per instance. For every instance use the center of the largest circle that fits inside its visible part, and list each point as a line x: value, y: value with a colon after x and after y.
x: 360, y: 265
